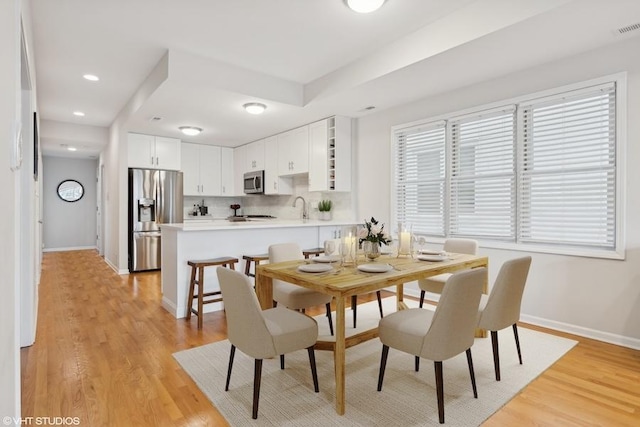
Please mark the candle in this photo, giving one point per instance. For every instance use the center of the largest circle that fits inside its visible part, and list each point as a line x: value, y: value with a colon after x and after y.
x: 405, y: 242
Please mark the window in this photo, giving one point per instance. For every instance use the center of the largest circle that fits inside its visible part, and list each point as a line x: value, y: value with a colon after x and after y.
x: 540, y: 172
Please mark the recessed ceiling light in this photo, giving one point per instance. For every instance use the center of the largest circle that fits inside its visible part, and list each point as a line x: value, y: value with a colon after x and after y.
x: 91, y: 77
x: 71, y: 148
x: 255, y: 107
x: 190, y: 130
x: 78, y: 113
x: 364, y: 6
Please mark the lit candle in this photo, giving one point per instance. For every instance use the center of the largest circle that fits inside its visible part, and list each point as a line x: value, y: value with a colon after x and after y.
x: 405, y: 242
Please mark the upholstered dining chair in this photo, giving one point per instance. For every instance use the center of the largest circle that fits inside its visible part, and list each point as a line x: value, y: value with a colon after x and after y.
x: 262, y: 334
x: 437, y: 335
x: 292, y: 296
x: 501, y: 308
x: 435, y: 284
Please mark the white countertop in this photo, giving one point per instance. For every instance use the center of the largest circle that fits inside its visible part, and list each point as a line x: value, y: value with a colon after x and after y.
x: 204, y: 224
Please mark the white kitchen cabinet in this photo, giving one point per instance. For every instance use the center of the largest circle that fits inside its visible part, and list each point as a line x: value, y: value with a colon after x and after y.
x: 239, y: 168
x: 227, y: 183
x: 330, y: 155
x: 293, y: 151
x: 201, y: 167
x: 254, y: 156
x: 273, y: 182
x: 153, y: 152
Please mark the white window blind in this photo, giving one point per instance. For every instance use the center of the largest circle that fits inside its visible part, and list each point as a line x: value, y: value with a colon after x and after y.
x: 420, y: 177
x: 568, y: 172
x: 483, y: 174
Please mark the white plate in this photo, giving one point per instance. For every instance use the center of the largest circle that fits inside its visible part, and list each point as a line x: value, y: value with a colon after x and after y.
x: 432, y: 258
x: 324, y: 258
x: 314, y: 268
x: 432, y: 252
x: 375, y: 268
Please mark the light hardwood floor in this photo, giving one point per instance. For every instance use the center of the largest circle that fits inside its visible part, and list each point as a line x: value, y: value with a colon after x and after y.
x: 104, y: 347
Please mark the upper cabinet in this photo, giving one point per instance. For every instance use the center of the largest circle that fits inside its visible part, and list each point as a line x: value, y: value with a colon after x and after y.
x: 239, y: 168
x: 254, y: 156
x: 330, y: 154
x: 227, y: 184
x: 201, y: 166
x: 273, y: 182
x: 153, y: 152
x: 293, y: 151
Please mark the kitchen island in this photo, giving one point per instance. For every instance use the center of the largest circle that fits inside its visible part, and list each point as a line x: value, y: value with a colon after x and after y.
x: 196, y: 240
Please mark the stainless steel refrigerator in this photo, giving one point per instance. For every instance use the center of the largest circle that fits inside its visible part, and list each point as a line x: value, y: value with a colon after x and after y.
x: 155, y: 197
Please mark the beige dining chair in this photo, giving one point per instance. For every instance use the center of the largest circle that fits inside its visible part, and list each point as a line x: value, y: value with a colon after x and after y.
x: 437, y: 335
x: 293, y: 296
x: 434, y: 284
x: 262, y: 334
x: 501, y: 308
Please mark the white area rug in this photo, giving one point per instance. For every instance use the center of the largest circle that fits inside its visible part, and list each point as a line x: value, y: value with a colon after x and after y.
x: 408, y: 398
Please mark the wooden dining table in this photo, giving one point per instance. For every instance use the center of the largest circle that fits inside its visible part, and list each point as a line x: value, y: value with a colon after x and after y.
x: 342, y: 282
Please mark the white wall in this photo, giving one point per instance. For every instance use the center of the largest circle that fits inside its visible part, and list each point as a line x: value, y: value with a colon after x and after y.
x: 9, y: 225
x: 591, y: 297
x: 69, y: 225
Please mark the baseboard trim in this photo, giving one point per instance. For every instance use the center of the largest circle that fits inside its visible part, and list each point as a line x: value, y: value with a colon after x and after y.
x: 72, y: 248
x: 607, y: 337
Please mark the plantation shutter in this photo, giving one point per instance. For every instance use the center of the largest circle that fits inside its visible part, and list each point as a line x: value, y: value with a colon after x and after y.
x: 420, y: 177
x: 483, y: 201
x: 569, y: 169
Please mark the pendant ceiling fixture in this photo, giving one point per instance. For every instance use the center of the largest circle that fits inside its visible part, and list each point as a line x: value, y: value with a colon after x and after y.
x: 364, y: 6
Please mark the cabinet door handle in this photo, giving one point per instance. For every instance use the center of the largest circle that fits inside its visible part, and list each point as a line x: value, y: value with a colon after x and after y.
x: 224, y: 189
x: 275, y: 185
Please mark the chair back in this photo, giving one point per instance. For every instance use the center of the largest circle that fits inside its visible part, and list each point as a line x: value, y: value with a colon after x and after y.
x: 461, y: 246
x: 454, y: 322
x: 282, y: 252
x: 246, y: 327
x: 503, y: 306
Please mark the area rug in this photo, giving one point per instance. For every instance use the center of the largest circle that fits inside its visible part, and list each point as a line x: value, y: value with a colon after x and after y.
x: 408, y: 398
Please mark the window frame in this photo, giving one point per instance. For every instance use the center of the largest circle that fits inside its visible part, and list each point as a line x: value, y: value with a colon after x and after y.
x: 618, y: 253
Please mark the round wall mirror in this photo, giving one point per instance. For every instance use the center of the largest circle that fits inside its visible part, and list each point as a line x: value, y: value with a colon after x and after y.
x: 70, y: 190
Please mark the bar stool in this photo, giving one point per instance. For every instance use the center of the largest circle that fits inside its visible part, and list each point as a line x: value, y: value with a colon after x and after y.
x: 197, y: 278
x: 248, y: 259
x: 315, y: 251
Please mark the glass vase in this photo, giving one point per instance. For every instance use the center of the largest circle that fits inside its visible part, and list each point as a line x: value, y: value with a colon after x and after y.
x: 349, y: 246
x: 371, y: 250
x: 405, y: 240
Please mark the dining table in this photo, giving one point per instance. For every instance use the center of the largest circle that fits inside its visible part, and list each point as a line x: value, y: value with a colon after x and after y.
x: 344, y: 281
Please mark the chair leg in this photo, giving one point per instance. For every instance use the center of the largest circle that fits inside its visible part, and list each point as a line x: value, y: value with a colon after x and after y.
x: 330, y: 319
x: 515, y: 334
x: 314, y: 372
x: 282, y: 361
x: 200, y: 296
x: 439, y: 390
x: 233, y: 353
x: 257, y: 375
x: 275, y: 303
x: 417, y: 363
x: 472, y: 373
x: 383, y: 365
x: 496, y: 355
x: 421, y: 298
x: 380, y: 303
x: 354, y: 308
x: 192, y: 282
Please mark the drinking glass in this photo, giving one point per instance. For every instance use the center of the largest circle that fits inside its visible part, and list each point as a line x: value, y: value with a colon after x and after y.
x: 329, y: 248
x: 345, y: 253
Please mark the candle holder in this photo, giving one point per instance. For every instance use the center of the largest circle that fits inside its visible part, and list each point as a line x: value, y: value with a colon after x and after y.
x: 405, y: 240
x: 349, y: 246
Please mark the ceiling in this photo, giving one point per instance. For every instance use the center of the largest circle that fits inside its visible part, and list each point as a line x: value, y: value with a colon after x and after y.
x: 304, y: 59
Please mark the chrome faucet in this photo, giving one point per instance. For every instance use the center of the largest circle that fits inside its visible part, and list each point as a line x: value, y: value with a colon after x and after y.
x: 305, y: 215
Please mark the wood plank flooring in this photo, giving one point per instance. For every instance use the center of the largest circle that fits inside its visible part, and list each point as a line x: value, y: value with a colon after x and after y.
x: 104, y: 347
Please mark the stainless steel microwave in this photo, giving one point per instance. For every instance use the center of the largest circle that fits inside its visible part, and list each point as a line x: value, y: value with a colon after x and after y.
x: 254, y: 182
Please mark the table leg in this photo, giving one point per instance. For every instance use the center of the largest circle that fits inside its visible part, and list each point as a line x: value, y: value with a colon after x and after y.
x: 339, y: 356
x: 400, y: 297
x: 264, y: 290
x: 482, y: 333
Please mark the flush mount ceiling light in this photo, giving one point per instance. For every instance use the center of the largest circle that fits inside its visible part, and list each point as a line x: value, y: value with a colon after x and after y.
x: 91, y: 77
x: 72, y: 148
x: 190, y: 130
x: 78, y: 113
x: 255, y: 107
x: 364, y: 6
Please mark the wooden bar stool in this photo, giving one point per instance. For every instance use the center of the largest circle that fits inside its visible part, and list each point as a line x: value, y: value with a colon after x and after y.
x: 315, y: 251
x: 248, y: 259
x: 197, y: 278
